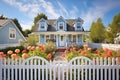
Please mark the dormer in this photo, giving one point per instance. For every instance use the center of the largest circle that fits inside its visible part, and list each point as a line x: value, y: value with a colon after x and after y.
x: 78, y: 24
x: 61, y: 24
x: 43, y: 25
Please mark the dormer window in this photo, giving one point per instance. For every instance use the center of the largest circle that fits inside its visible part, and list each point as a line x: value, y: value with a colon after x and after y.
x: 42, y: 24
x: 61, y: 25
x: 78, y: 25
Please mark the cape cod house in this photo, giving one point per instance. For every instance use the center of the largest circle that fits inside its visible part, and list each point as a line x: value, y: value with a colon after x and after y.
x: 10, y: 35
x: 62, y: 31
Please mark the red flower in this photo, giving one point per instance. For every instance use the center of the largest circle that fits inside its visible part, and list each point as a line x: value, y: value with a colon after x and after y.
x: 24, y: 51
x: 109, y: 53
x: 41, y: 47
x: 49, y: 56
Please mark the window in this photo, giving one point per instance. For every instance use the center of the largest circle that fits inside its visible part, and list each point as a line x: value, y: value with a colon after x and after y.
x: 61, y: 25
x: 42, y: 24
x: 78, y: 25
x: 61, y: 38
x: 47, y: 38
x: 12, y: 33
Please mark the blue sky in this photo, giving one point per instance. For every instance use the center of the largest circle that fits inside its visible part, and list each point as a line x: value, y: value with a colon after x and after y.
x: 88, y: 10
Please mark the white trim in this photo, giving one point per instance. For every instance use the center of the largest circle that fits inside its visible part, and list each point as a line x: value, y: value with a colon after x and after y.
x: 18, y: 30
x: 10, y: 32
x: 59, y: 26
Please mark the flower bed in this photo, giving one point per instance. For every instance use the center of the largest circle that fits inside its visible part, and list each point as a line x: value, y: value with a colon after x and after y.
x: 74, y: 51
x: 46, y: 51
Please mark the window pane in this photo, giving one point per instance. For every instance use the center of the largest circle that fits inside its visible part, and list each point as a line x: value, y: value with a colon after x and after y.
x: 61, y: 25
x: 42, y: 24
x: 78, y: 25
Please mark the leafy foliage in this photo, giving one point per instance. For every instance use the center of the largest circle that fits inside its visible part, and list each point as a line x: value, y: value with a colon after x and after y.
x: 97, y: 31
x: 31, y: 41
x: 114, y: 29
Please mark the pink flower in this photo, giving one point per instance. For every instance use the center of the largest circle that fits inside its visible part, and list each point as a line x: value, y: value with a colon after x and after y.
x: 89, y: 49
x: 24, y: 55
x: 29, y: 47
x: 85, y: 46
x: 49, y: 56
x: 83, y: 52
x: 24, y: 51
x: 13, y: 56
x: 33, y: 48
x: 41, y: 47
x: 9, y: 52
x: 105, y: 49
x: 17, y: 50
x: 63, y: 55
x: 1, y: 53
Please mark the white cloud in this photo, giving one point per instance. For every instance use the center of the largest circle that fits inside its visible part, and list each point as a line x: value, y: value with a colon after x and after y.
x: 33, y: 7
x: 62, y: 9
x: 98, y: 10
x: 27, y: 25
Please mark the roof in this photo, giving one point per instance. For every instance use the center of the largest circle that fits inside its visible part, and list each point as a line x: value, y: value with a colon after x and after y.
x: 5, y: 21
x: 2, y: 22
x: 52, y: 25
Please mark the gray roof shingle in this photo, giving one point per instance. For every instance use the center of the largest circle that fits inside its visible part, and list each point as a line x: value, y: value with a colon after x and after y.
x: 2, y: 22
x: 52, y: 25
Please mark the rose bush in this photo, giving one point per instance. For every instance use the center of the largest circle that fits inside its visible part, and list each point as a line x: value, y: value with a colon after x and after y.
x: 46, y: 51
x: 90, y: 53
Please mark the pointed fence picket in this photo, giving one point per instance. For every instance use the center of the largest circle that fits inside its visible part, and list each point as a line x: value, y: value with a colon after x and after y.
x: 79, y: 68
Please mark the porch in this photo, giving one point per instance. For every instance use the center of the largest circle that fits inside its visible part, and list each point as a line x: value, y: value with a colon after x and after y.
x: 61, y: 38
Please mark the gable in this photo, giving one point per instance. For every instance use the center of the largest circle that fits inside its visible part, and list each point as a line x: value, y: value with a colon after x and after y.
x: 5, y: 31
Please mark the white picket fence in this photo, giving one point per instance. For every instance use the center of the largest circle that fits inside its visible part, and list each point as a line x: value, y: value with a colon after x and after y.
x: 79, y: 68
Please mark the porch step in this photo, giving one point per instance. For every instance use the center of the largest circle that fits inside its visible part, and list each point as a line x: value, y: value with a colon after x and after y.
x: 61, y: 49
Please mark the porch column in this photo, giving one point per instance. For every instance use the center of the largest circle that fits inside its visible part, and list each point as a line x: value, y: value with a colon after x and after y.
x: 57, y: 39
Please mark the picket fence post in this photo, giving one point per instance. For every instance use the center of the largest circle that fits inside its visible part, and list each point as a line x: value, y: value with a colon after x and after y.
x: 0, y: 69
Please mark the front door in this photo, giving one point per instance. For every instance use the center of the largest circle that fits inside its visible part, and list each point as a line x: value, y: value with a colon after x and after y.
x: 61, y: 40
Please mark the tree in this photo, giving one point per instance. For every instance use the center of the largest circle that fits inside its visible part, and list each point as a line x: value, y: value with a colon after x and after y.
x: 37, y: 18
x: 26, y: 32
x: 97, y: 31
x: 3, y: 17
x: 18, y: 25
x: 114, y: 29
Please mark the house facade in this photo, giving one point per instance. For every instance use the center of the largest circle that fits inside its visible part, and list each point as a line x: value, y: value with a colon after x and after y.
x: 10, y: 35
x: 62, y: 31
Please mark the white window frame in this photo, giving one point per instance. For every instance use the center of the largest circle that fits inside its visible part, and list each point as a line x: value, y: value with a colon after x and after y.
x: 13, y: 32
x: 59, y: 25
x: 42, y: 22
x: 79, y: 25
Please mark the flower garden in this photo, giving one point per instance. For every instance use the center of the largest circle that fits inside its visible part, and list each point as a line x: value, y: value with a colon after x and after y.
x: 48, y: 51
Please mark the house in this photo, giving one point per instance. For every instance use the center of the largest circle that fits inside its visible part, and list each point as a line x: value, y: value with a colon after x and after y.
x: 117, y: 39
x: 62, y: 31
x: 10, y: 35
